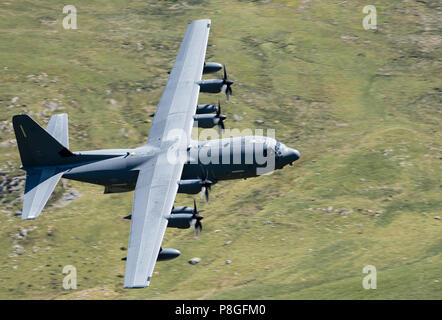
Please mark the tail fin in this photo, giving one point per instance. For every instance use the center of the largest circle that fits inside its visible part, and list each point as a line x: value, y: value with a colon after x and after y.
x: 40, y: 152
x: 37, y: 146
x: 43, y: 154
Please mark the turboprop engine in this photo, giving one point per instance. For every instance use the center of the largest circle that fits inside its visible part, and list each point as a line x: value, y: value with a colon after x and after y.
x: 206, y: 108
x: 186, y: 217
x: 193, y: 186
x: 217, y: 85
x: 211, y: 120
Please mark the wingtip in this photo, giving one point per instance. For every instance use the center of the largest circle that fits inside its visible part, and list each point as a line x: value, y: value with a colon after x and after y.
x: 208, y: 21
x: 30, y: 213
x: 135, y: 285
x: 28, y: 216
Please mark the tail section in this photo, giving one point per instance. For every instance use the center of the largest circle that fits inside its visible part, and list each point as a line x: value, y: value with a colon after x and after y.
x: 37, y: 146
x: 40, y: 152
x: 58, y: 128
x: 44, y: 155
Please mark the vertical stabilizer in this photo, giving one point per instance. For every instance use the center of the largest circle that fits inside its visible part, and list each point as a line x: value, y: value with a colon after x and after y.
x: 37, y: 146
x: 41, y: 151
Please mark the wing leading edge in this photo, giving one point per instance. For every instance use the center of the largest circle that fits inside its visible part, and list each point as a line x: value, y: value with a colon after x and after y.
x: 158, y: 178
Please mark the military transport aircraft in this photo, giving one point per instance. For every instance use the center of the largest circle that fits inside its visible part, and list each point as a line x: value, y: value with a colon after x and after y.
x: 156, y: 170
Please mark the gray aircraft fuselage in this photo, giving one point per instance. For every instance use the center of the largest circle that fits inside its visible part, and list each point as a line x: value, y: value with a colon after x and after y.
x: 220, y: 159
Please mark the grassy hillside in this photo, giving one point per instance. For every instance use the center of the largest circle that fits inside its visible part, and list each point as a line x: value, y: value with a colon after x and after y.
x: 362, y: 106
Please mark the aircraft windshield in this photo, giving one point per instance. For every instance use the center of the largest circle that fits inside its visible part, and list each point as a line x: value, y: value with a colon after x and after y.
x: 277, y: 146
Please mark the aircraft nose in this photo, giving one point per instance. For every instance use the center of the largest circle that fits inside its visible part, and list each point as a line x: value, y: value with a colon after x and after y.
x: 292, y: 155
x: 296, y: 154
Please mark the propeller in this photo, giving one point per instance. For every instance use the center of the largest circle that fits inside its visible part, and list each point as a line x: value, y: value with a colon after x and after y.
x: 226, y: 88
x: 220, y: 118
x: 196, y: 220
x: 206, y: 185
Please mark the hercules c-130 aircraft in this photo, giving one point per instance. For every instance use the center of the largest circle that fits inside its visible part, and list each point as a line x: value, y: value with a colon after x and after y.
x: 156, y: 170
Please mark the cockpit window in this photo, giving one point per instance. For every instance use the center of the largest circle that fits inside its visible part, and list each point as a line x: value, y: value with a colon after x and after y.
x: 277, y: 146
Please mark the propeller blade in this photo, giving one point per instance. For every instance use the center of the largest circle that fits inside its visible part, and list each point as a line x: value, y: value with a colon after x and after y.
x: 220, y: 118
x: 229, y: 92
x: 226, y: 85
x: 205, y: 184
x: 206, y: 173
x: 221, y: 126
x: 198, y: 229
x: 203, y: 191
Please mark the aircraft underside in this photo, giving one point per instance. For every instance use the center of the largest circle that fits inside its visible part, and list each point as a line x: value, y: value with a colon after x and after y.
x: 116, y: 181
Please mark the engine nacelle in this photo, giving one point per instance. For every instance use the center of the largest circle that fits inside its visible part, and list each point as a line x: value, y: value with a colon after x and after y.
x: 211, y: 86
x: 168, y: 254
x: 206, y: 120
x: 206, y: 108
x: 211, y: 67
x: 180, y: 220
x: 182, y: 210
x: 190, y: 186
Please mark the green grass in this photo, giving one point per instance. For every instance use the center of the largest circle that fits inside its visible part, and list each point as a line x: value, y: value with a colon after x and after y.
x: 363, y: 107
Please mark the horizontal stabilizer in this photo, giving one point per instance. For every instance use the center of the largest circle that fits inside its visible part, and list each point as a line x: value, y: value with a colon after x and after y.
x: 58, y: 128
x: 40, y: 183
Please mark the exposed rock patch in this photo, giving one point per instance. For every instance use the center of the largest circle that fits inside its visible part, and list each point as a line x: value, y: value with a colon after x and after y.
x: 194, y: 260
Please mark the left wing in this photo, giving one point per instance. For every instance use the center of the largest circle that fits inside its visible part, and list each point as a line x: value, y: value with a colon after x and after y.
x: 158, y: 178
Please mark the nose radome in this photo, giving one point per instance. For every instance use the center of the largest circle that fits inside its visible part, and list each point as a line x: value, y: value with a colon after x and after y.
x: 292, y: 155
x: 297, y: 154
